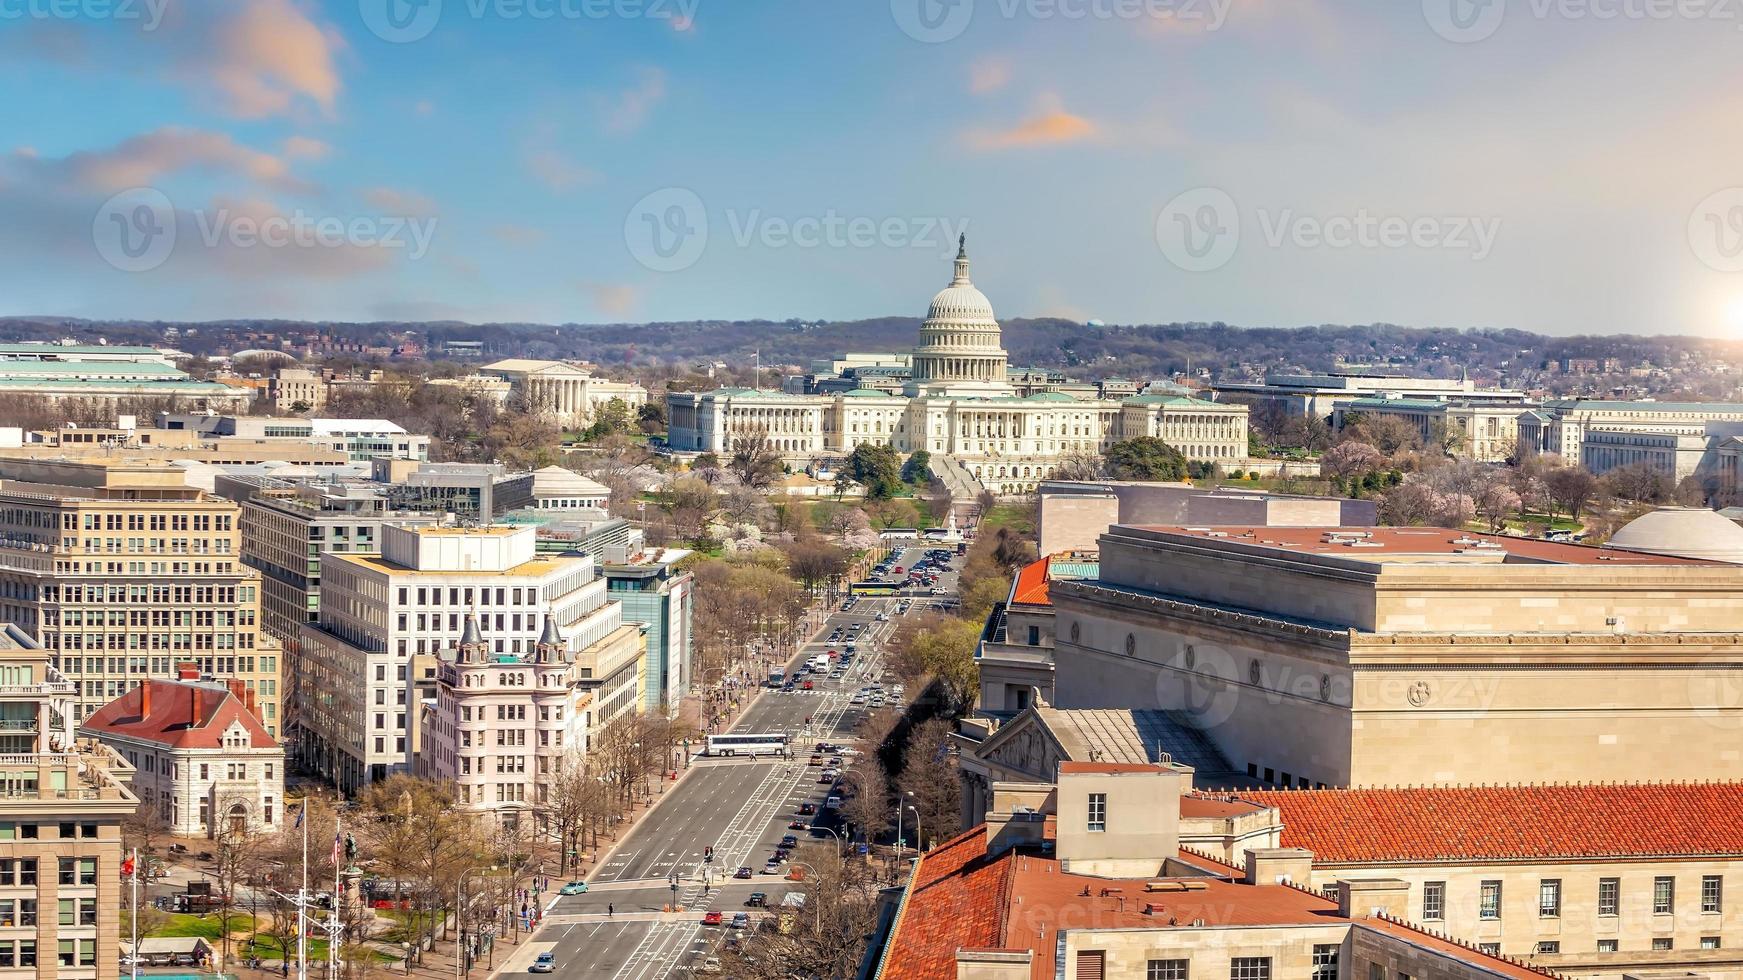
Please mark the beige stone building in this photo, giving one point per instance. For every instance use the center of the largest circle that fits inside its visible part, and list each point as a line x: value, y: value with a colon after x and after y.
x: 122, y: 571
x: 1085, y: 878
x: 296, y: 389
x: 1386, y: 656
x: 1485, y: 431
x: 62, y: 802
x: 569, y: 392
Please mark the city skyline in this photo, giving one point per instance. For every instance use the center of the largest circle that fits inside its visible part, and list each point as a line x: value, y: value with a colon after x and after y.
x: 621, y: 162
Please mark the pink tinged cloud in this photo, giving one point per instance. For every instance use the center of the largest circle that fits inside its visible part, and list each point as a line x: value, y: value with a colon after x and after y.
x: 558, y: 172
x: 267, y: 55
x: 139, y: 161
x: 305, y: 148
x: 612, y: 299
x: 393, y: 201
x: 1051, y: 125
x: 988, y: 75
x: 628, y: 110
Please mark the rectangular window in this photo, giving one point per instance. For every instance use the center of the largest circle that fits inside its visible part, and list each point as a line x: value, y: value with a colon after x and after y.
x: 1663, y: 895
x: 1250, y: 968
x: 1325, y: 961
x: 1091, y: 965
x: 1709, y: 942
x: 1549, y: 898
x: 1607, y: 945
x: 1712, y: 891
x: 1376, y: 971
x: 1609, y: 896
x: 1489, y: 902
x: 1166, y: 970
x: 1434, y: 900
x: 1098, y: 812
x: 1548, y: 947
x: 1662, y: 943
x: 1489, y: 949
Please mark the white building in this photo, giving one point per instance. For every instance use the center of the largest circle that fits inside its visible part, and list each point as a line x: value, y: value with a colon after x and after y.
x: 502, y: 725
x: 366, y: 439
x: 379, y: 610
x: 200, y: 756
x: 1560, y: 427
x: 959, y: 406
x: 567, y: 391
x: 557, y: 488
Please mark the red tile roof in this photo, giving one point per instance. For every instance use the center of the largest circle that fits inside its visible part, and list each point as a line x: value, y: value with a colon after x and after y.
x: 1436, y: 823
x: 960, y: 899
x: 1030, y: 588
x: 173, y: 719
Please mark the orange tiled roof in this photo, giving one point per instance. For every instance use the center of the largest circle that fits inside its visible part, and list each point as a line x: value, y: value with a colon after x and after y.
x: 1030, y: 588
x: 1448, y: 823
x: 960, y: 899
x: 188, y: 716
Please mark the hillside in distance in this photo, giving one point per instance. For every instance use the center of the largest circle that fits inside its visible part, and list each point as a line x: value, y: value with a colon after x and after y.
x: 1137, y: 351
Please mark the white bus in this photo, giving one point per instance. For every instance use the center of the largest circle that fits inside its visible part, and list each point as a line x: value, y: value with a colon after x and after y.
x: 736, y: 744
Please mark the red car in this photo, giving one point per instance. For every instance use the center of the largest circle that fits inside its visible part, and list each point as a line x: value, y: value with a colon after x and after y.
x: 711, y: 918
x: 806, y: 686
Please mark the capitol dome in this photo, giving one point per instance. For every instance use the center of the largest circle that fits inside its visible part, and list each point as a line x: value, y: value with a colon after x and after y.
x: 1684, y: 532
x: 959, y: 341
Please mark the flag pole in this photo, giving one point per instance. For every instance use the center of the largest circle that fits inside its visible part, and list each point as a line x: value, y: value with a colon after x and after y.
x: 303, y: 899
x: 338, y: 896
x: 135, y: 956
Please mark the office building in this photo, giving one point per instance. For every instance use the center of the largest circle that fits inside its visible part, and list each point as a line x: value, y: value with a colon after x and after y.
x: 62, y: 804
x: 377, y: 611
x: 1319, y: 395
x: 660, y: 596
x: 121, y: 571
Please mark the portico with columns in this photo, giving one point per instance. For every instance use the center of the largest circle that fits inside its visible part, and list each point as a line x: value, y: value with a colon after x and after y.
x: 566, y: 391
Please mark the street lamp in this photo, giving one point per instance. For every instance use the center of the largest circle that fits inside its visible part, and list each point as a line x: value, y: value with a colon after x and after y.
x: 460, y: 922
x: 919, y: 834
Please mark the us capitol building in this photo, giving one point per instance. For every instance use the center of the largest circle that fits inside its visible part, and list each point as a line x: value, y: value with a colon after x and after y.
x: 958, y: 406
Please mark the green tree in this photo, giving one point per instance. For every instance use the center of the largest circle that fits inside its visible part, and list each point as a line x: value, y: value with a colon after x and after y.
x: 918, y: 469
x: 1145, y: 458
x: 611, y: 418
x: 878, y: 469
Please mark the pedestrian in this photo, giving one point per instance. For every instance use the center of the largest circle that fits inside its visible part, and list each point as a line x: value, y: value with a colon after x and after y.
x: 610, y: 910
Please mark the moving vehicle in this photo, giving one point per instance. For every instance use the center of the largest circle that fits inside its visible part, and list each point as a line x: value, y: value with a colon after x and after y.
x: 742, y: 872
x: 872, y: 588
x: 790, y: 841
x: 777, y: 678
x: 771, y: 867
x: 544, y: 963
x: 711, y: 918
x: 807, y: 809
x: 820, y: 662
x: 732, y: 743
x: 756, y: 900
x: 573, y: 888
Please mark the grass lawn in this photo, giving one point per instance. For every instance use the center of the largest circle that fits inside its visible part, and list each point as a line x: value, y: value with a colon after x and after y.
x: 407, y: 925
x: 266, y: 947
x: 184, y: 926
x: 1017, y: 517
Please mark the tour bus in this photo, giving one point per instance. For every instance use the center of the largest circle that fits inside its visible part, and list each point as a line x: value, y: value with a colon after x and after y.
x: 735, y: 744
x: 874, y: 588
x: 777, y: 678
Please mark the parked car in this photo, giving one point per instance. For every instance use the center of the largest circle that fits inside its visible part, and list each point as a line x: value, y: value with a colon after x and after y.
x: 807, y: 809
x: 789, y: 841
x: 711, y: 918
x: 741, y: 920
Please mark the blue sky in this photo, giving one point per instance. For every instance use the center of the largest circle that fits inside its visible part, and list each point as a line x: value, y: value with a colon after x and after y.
x: 1563, y: 166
